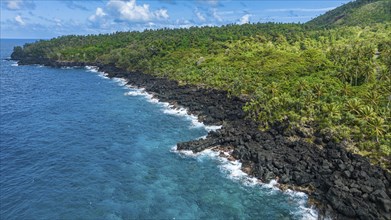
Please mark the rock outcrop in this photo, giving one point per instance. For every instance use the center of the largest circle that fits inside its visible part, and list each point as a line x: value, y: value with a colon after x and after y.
x: 341, y: 184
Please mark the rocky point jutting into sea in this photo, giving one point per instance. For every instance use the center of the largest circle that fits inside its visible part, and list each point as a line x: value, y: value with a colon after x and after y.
x: 343, y: 185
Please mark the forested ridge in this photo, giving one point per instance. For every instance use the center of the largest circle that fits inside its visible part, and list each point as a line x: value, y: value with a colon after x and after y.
x: 322, y: 79
x: 360, y: 13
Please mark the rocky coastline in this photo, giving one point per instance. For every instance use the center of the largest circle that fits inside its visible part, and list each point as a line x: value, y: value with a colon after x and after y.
x: 342, y: 185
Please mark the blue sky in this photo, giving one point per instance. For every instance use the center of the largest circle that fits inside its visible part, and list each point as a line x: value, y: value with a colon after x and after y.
x: 50, y: 18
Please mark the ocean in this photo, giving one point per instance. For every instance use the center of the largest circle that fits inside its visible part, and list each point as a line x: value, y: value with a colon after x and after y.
x: 77, y: 145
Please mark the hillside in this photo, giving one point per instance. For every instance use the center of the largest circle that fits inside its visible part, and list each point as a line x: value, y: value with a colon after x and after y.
x: 355, y: 13
x: 333, y: 83
x: 298, y: 102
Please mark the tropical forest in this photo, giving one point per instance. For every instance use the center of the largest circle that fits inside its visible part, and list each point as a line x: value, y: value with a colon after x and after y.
x: 331, y: 75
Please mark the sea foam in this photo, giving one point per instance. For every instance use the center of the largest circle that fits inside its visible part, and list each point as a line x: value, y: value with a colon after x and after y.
x: 232, y: 169
x: 92, y: 69
x: 120, y: 81
x: 167, y: 108
x: 170, y: 109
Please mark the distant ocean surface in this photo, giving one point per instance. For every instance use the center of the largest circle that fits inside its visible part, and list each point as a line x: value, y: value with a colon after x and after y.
x: 76, y: 145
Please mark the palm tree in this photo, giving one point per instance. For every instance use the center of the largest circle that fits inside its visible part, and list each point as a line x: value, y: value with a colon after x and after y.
x: 318, y: 90
x: 383, y: 75
x: 301, y: 86
x: 353, y: 106
x: 332, y: 110
x: 346, y: 90
x: 309, y: 107
x: 373, y: 97
x: 343, y: 75
x: 378, y: 127
x: 367, y: 113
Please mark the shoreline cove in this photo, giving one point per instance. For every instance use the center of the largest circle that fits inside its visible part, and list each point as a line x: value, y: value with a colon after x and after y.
x: 340, y: 184
x: 227, y: 164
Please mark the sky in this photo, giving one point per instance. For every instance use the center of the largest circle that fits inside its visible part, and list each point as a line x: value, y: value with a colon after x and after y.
x: 43, y: 19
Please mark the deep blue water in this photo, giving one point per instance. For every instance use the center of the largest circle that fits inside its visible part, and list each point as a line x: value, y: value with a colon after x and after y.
x: 75, y: 146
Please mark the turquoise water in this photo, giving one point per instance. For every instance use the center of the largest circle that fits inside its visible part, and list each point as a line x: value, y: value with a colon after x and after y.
x: 76, y: 145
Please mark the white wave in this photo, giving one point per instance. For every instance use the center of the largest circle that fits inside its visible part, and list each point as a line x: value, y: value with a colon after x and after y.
x: 233, y: 168
x: 309, y: 213
x: 153, y: 100
x: 188, y: 153
x: 15, y: 64
x: 38, y: 65
x: 67, y: 67
x: 202, y: 137
x: 120, y: 81
x: 195, y: 123
x: 208, y: 153
x: 171, y: 110
x: 92, y: 69
x: 179, y: 111
x: 103, y: 75
x: 134, y: 93
x: 165, y: 104
x: 167, y: 108
x: 233, y: 171
x: 140, y: 92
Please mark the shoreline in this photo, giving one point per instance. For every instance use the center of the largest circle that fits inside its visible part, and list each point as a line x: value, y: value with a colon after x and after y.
x: 233, y: 167
x: 222, y: 154
x: 343, y: 185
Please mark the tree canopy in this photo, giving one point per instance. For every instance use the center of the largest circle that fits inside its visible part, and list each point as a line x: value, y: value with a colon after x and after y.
x: 336, y: 80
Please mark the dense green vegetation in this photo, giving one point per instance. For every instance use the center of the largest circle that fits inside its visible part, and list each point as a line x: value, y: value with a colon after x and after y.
x: 334, y: 81
x: 358, y: 13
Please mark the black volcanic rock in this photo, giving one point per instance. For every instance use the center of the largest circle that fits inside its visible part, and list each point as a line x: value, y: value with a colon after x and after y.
x: 344, y: 185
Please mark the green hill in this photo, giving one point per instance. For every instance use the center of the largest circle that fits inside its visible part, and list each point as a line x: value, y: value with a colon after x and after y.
x: 336, y: 80
x: 355, y: 13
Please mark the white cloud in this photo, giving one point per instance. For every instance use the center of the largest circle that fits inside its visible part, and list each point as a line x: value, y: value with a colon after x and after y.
x: 99, y: 13
x: 216, y: 16
x: 19, y: 4
x: 161, y: 14
x: 200, y: 16
x: 130, y: 11
x: 58, y: 22
x: 100, y: 19
x: 301, y: 9
x: 210, y: 2
x: 14, y: 4
x: 245, y: 19
x: 19, y: 20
